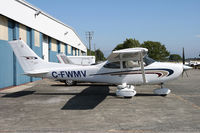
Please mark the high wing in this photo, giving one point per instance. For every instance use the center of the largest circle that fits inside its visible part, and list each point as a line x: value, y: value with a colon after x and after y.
x: 130, y: 54
x: 127, y: 54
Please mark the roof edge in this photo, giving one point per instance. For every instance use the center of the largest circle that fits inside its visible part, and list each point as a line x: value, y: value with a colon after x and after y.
x: 49, y: 16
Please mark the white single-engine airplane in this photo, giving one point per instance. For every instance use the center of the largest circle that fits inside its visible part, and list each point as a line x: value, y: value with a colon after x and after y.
x: 124, y: 68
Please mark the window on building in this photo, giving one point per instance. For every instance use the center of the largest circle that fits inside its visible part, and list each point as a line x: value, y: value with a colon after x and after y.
x: 62, y: 47
x: 22, y: 32
x: 73, y: 50
x: 54, y: 45
x: 3, y: 28
x: 37, y: 38
x: 69, y: 49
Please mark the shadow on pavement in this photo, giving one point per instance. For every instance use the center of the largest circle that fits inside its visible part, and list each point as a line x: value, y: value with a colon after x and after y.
x: 87, y: 99
x: 18, y: 94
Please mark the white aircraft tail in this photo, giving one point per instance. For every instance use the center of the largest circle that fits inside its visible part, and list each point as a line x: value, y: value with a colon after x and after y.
x: 29, y: 61
x: 64, y: 59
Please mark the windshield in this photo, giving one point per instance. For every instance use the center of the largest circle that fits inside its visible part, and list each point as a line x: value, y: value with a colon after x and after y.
x: 148, y: 60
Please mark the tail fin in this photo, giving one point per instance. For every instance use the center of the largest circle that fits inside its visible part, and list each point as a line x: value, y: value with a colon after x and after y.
x: 64, y: 59
x: 28, y: 60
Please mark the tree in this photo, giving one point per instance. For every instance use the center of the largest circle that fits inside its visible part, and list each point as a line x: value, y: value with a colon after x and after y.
x: 156, y: 50
x: 92, y: 52
x: 175, y: 57
x: 99, y: 55
x: 128, y: 43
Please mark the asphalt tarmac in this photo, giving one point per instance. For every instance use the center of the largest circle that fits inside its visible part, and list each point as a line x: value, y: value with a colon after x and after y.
x: 50, y: 106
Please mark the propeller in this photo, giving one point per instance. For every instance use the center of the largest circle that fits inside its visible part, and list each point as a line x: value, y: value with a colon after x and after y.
x: 185, y: 67
x: 183, y: 56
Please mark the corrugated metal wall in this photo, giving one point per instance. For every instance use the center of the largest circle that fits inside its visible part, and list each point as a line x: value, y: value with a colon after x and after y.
x: 6, y: 67
x: 11, y: 73
x: 6, y: 58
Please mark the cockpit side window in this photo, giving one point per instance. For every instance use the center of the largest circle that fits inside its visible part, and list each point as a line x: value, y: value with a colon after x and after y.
x: 131, y: 64
x: 115, y: 65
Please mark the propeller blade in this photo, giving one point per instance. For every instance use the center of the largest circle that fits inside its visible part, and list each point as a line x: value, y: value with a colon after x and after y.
x: 182, y: 73
x: 186, y: 73
x: 183, y: 56
x: 185, y: 68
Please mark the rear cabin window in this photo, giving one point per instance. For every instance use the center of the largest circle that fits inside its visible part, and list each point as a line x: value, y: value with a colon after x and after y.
x: 115, y: 65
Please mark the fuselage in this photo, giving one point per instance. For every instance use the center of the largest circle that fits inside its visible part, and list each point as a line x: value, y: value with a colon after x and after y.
x: 129, y: 66
x: 155, y: 73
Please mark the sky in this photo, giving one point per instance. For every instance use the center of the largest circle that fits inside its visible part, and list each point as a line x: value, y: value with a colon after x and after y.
x: 174, y: 23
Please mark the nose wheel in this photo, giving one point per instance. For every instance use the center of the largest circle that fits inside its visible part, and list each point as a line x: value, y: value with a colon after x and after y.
x: 162, y: 91
x: 126, y: 91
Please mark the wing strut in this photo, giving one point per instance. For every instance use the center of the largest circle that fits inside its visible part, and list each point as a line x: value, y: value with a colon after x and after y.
x: 121, y: 65
x: 142, y: 67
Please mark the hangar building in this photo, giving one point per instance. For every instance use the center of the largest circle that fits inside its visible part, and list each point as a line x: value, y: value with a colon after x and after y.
x: 46, y: 35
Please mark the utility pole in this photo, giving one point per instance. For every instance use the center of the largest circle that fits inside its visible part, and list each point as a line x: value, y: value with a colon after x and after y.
x: 89, y: 35
x: 94, y: 49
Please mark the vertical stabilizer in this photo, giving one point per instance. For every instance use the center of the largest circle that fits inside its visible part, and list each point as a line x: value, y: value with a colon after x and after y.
x: 64, y: 59
x: 28, y: 60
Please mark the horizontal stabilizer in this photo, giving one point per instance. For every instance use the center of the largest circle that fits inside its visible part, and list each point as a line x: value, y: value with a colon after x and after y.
x: 36, y: 73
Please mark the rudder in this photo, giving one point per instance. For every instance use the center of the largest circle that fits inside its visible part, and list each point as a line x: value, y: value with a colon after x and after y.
x: 28, y: 59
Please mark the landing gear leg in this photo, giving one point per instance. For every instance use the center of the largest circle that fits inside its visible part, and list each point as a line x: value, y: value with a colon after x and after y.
x: 162, y: 91
x: 126, y: 91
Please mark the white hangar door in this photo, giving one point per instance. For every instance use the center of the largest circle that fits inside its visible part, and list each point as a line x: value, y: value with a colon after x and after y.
x: 45, y: 48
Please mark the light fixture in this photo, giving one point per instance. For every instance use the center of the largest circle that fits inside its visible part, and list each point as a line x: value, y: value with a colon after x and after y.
x: 66, y: 33
x: 37, y: 13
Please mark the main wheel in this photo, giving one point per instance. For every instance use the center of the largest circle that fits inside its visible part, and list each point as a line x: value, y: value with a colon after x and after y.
x: 70, y: 82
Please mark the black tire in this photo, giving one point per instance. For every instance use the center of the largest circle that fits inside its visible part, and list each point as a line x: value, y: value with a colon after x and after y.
x: 70, y: 82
